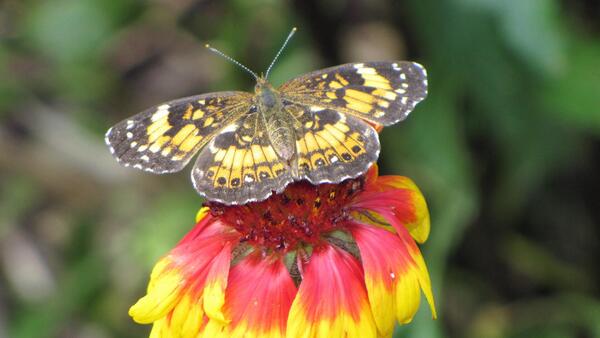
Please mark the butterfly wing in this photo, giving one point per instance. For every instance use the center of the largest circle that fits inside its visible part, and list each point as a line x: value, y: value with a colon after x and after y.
x: 239, y: 165
x: 383, y: 93
x: 164, y: 138
x: 332, y: 146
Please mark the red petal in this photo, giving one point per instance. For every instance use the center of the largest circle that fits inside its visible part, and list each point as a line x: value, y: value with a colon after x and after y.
x: 332, y: 300
x: 260, y: 292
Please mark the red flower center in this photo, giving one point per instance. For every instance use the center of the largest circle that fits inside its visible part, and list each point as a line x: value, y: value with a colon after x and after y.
x: 298, y: 217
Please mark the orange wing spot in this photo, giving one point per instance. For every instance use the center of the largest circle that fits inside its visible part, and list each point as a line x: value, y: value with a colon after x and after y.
x: 157, y: 129
x: 183, y: 133
x: 198, y: 114
x: 336, y: 138
x: 188, y: 112
x: 376, y: 81
x: 209, y: 120
x: 389, y: 95
x: 190, y: 143
x: 335, y: 130
x: 220, y: 155
x: 355, y: 94
x: 304, y: 162
x: 157, y: 145
x: 166, y: 151
x: 311, y: 142
x: 341, y: 79
x: 357, y: 105
x: 270, y: 154
x: 238, y: 158
x: 259, y: 157
x: 222, y: 175
x: 276, y: 168
x: 178, y: 157
x: 248, y: 161
x: 228, y: 159
x: 335, y: 85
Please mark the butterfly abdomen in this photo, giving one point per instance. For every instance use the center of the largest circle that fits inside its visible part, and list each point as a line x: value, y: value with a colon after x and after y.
x: 282, y: 137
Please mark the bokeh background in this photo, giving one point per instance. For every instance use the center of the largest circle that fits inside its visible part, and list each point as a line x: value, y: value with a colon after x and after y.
x: 505, y: 148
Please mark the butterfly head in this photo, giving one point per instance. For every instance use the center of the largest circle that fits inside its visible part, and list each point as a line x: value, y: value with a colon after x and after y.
x: 262, y: 84
x: 266, y: 94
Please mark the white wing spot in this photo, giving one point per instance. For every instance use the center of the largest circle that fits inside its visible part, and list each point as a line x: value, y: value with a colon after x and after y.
x: 390, y: 95
x: 366, y: 70
x: 404, y: 99
x: 155, y: 148
x: 145, y: 158
x: 133, y: 144
x: 402, y: 76
x: 129, y: 134
x: 383, y: 104
x: 161, y: 112
x: 231, y: 127
x: 130, y: 124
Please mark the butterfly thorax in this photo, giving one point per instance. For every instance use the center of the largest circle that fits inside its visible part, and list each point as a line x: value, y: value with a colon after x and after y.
x: 276, y: 119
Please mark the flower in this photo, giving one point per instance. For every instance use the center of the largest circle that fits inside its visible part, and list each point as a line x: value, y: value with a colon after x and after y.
x: 331, y: 260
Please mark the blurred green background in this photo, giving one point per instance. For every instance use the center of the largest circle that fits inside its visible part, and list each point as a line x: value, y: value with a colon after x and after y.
x: 505, y: 148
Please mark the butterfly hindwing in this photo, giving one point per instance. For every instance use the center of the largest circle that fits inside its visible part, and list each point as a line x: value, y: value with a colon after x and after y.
x: 332, y: 146
x: 164, y: 138
x: 240, y: 165
x: 380, y: 92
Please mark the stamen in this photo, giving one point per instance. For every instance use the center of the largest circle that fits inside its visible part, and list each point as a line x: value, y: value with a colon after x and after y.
x: 304, y: 216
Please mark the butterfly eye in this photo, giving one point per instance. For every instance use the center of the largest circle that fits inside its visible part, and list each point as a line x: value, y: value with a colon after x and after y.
x: 252, y: 110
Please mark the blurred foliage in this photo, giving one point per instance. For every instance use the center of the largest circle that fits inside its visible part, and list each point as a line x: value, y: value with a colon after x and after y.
x: 505, y: 148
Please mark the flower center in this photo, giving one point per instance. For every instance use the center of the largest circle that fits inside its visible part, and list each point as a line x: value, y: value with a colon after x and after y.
x: 298, y: 217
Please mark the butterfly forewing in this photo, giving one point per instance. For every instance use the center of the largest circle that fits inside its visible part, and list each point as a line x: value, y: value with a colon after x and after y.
x: 164, y: 138
x: 380, y: 92
x: 240, y: 165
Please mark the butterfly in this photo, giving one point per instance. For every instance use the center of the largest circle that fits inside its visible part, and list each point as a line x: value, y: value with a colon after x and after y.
x: 318, y: 127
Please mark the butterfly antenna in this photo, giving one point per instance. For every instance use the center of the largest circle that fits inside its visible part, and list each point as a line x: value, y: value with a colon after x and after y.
x: 232, y: 60
x: 280, y: 50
